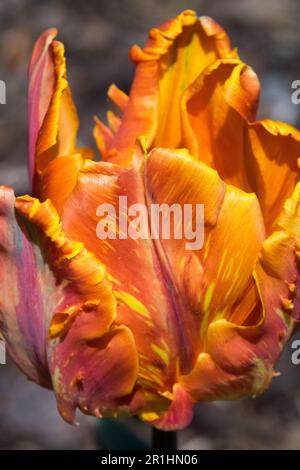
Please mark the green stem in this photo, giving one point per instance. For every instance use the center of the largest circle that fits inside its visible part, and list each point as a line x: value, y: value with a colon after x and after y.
x: 162, y: 440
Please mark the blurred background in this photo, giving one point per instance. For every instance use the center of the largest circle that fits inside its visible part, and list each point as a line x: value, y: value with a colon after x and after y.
x: 97, y: 36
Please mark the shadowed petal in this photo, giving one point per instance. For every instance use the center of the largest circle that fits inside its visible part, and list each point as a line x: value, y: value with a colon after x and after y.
x: 212, y: 126
x: 272, y: 151
x: 218, y: 111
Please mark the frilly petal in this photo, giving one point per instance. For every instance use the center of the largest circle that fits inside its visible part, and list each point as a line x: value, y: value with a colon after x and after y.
x: 277, y: 270
x: 174, y: 55
x: 272, y: 152
x: 41, y: 85
x: 219, y: 127
x: 84, y: 343
x: 54, y: 160
x: 238, y: 359
x: 53, y: 120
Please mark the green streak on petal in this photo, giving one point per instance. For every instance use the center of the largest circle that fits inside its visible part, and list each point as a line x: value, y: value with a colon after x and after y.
x: 132, y: 302
x: 208, y: 296
x: 287, y: 319
x: 56, y: 379
x: 161, y: 353
x: 263, y: 376
x: 206, y: 303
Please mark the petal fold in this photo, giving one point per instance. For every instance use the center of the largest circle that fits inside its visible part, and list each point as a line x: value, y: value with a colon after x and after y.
x: 219, y: 127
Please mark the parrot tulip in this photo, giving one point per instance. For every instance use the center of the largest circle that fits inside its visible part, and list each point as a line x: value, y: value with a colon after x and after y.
x: 142, y: 326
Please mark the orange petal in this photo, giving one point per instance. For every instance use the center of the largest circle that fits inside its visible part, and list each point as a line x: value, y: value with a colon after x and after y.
x: 114, y: 121
x: 59, y: 179
x: 277, y: 271
x: 41, y: 84
x: 217, y: 277
x: 53, y: 120
x: 208, y: 381
x: 103, y: 137
x: 174, y: 55
x: 272, y: 151
x: 192, y: 287
x: 59, y: 128
x: 69, y: 257
x: 132, y: 265
x: 214, y: 112
x: 217, y: 114
x: 194, y: 49
x: 238, y: 360
x: 247, y: 366
x: 103, y: 134
x: 118, y: 97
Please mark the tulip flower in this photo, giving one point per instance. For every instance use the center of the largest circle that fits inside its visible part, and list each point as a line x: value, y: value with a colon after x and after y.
x: 144, y: 326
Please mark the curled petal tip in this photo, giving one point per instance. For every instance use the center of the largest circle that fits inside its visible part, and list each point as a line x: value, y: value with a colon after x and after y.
x: 53, y: 120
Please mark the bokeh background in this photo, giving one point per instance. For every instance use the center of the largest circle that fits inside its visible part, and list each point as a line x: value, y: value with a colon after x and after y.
x: 98, y: 35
